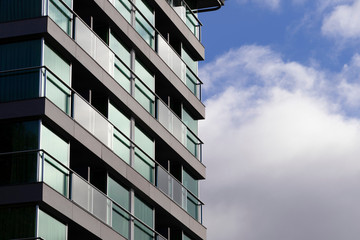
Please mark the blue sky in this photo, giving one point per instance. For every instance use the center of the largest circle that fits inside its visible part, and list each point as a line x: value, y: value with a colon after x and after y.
x: 282, y: 131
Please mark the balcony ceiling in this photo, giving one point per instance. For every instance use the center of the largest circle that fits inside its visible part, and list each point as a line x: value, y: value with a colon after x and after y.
x: 209, y: 3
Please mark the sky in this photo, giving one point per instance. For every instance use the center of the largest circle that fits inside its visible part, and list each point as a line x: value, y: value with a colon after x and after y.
x: 282, y: 129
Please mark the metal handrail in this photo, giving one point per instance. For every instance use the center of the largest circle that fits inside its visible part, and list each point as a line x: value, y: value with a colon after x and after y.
x: 105, y: 118
x: 132, y: 72
x: 133, y: 217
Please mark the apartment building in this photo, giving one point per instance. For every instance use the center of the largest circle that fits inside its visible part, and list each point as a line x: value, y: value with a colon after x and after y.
x: 99, y: 109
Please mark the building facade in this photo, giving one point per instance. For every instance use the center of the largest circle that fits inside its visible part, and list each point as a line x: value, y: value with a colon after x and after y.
x: 99, y: 109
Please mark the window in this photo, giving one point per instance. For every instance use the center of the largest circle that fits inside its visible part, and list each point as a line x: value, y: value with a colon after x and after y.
x: 143, y: 164
x: 145, y: 214
x: 142, y: 26
x: 21, y: 84
x: 120, y: 195
x: 55, y: 175
x: 142, y: 94
x: 50, y: 228
x: 121, y: 73
x: 121, y: 145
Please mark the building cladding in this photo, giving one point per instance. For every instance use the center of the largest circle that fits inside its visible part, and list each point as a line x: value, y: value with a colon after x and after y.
x: 99, y: 109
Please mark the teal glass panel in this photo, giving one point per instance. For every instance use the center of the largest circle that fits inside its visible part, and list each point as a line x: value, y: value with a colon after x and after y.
x: 121, y: 145
x: 143, y: 27
x: 11, y: 10
x: 120, y: 221
x: 192, y: 144
x: 55, y: 175
x: 50, y: 228
x: 20, y: 55
x: 191, y: 22
x: 121, y: 73
x: 57, y: 91
x: 60, y: 14
x: 184, y: 237
x: 143, y: 95
x: 191, y: 63
x: 18, y: 136
x: 189, y: 121
x: 192, y: 206
x: 192, y: 82
x: 190, y: 183
x: 124, y: 8
x: 17, y: 222
x: 18, y: 168
x: 143, y: 164
x: 19, y: 85
x: 120, y: 195
x: 145, y: 214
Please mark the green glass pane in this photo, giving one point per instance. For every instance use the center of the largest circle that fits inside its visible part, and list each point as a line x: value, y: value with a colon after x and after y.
x: 184, y: 237
x: 124, y: 7
x: 144, y: 165
x: 17, y: 222
x: 119, y: 120
x: 56, y: 176
x: 143, y: 212
x: 192, y: 207
x: 191, y: 82
x: 11, y: 10
x: 54, y: 145
x: 190, y: 183
x: 189, y: 121
x: 50, y: 228
x: 119, y: 49
x: 191, y: 22
x: 118, y: 193
x: 18, y: 136
x: 60, y: 14
x: 143, y: 94
x: 57, y: 64
x: 192, y: 64
x: 144, y: 28
x: 191, y: 144
x: 20, y: 55
x: 141, y: 232
x: 120, y: 221
x: 19, y: 85
x: 18, y: 168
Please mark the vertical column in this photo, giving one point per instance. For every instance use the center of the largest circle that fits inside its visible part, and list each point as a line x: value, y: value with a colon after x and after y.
x: 132, y: 210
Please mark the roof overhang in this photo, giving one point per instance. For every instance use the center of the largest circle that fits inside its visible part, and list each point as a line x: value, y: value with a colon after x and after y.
x: 201, y: 4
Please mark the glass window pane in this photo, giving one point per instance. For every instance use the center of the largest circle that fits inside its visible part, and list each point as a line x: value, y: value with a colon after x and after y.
x: 142, y: 94
x: 120, y: 221
x: 124, y: 7
x: 143, y: 212
x: 54, y: 145
x: 17, y: 222
x: 118, y: 193
x: 190, y: 183
x: 19, y: 136
x: 60, y: 14
x: 143, y: 164
x: 50, y: 228
x: 10, y: 10
x: 142, y: 26
x: 189, y: 121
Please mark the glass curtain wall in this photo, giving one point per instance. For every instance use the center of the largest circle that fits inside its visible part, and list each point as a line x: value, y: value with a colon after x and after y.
x: 145, y: 214
x: 120, y: 195
x: 143, y: 164
x: 121, y: 73
x: 121, y: 145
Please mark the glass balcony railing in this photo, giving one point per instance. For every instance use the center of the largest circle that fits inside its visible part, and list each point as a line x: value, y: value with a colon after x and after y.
x: 162, y: 47
x: 79, y: 191
x: 98, y: 125
x: 187, y: 15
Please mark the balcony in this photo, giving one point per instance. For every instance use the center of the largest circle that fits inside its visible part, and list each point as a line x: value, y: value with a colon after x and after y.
x: 75, y: 106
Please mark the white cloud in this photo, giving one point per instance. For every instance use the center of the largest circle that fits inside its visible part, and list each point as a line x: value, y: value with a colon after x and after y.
x: 281, y: 156
x: 272, y: 4
x: 343, y: 22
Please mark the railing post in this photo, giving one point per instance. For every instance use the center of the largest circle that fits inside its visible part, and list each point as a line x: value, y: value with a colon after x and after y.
x: 43, y: 166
